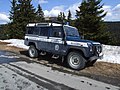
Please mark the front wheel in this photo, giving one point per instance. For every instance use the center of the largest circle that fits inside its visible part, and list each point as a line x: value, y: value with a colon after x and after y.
x: 75, y: 60
x: 33, y: 52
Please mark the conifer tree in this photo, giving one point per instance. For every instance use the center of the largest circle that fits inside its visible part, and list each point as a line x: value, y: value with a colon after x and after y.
x: 40, y: 14
x: 13, y: 11
x: 10, y: 28
x: 61, y: 17
x: 22, y: 12
x: 90, y: 21
x: 69, y: 17
x: 26, y: 14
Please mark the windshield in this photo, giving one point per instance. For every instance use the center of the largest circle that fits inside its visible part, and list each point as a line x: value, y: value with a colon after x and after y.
x: 71, y: 31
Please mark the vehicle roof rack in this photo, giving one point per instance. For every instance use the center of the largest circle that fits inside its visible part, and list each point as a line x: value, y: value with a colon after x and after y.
x: 46, y: 23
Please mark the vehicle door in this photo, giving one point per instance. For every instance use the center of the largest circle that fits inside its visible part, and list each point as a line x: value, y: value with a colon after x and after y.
x: 43, y: 38
x: 55, y: 39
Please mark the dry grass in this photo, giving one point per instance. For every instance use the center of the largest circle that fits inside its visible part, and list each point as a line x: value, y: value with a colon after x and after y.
x: 4, y: 43
x: 3, y: 46
x: 103, y: 68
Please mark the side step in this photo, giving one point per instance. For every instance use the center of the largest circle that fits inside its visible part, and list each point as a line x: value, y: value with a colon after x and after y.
x: 55, y: 56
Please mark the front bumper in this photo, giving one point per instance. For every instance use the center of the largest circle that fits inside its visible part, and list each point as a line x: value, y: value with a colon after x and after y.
x: 100, y: 56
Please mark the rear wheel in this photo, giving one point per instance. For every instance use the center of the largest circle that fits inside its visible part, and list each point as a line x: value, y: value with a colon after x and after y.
x: 75, y: 60
x: 33, y: 52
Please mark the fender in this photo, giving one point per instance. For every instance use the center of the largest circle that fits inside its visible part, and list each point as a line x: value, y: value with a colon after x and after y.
x: 82, y: 50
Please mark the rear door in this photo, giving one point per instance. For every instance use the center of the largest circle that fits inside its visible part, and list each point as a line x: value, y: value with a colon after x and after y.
x: 43, y: 38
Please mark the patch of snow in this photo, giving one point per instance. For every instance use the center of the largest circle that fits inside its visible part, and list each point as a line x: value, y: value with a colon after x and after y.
x: 111, y: 54
x: 16, y: 42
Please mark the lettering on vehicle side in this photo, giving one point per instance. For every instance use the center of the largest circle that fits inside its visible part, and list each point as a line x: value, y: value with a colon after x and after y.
x: 83, y: 44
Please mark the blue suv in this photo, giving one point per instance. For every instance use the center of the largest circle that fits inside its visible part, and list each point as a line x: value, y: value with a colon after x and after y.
x: 62, y: 41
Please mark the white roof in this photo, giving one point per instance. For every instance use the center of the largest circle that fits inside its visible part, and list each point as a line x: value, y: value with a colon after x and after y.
x: 43, y: 24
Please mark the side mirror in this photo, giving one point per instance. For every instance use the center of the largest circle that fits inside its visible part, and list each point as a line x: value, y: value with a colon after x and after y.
x: 65, y: 43
x: 64, y: 39
x: 81, y: 35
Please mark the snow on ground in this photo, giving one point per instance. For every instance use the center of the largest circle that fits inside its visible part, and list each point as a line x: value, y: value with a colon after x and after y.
x: 16, y: 42
x: 111, y: 53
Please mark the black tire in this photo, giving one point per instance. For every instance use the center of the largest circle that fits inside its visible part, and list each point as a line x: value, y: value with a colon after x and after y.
x: 33, y: 52
x: 75, y: 60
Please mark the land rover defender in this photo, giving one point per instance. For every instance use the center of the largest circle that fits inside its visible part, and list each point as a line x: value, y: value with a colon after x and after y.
x: 62, y: 41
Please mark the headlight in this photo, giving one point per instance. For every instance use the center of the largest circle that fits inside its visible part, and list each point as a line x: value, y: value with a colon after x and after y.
x: 90, y: 47
x: 99, y: 49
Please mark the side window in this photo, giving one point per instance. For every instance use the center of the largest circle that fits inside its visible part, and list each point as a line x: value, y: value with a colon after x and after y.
x: 56, y: 32
x: 33, y: 30
x: 30, y: 30
x: 36, y: 31
x: 44, y: 31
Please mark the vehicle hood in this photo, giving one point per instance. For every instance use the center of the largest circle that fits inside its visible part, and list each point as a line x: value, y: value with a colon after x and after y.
x: 78, y: 39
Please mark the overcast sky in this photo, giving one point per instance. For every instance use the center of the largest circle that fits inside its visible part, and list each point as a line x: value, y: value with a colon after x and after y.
x: 54, y: 7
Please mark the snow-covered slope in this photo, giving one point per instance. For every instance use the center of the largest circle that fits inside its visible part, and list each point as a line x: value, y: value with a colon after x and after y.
x: 111, y: 53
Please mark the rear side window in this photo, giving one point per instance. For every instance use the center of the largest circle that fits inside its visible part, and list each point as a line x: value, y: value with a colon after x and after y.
x: 56, y: 32
x: 44, y: 31
x: 30, y: 30
x: 33, y: 30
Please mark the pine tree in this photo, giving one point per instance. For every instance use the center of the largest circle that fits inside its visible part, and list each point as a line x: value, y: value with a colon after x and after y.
x: 22, y: 12
x: 61, y: 17
x: 26, y: 10
x: 69, y: 17
x: 90, y: 21
x: 10, y: 28
x: 26, y: 14
x: 40, y: 14
x: 13, y: 11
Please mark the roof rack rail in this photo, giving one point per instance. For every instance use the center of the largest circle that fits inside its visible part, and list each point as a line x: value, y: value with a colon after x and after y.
x: 42, y: 24
x: 46, y: 23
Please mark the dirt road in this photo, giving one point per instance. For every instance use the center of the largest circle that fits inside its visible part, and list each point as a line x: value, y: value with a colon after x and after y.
x: 18, y: 73
x: 101, y: 71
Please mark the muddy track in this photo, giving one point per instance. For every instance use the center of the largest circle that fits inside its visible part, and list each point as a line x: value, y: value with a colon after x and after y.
x: 105, y: 72
x: 37, y: 79
x: 101, y: 71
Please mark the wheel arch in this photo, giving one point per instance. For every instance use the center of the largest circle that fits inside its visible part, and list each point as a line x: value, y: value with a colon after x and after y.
x: 76, y: 50
x: 32, y: 43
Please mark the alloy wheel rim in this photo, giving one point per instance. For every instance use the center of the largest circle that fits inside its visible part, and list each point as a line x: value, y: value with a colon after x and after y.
x: 74, y: 60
